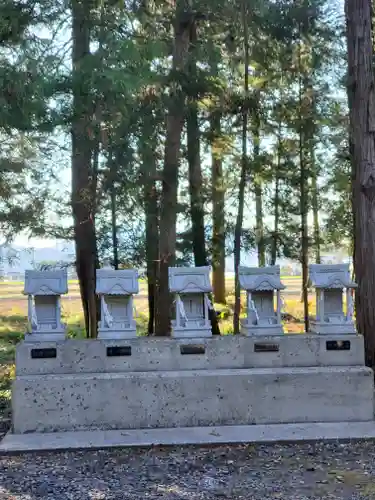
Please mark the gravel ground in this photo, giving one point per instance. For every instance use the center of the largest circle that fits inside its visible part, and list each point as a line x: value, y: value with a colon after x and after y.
x: 290, y: 472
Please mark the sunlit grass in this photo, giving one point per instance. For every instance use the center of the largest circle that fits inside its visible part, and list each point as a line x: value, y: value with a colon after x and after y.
x: 12, y: 327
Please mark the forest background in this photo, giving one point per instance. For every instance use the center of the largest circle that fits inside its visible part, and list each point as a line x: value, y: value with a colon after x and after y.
x: 158, y: 133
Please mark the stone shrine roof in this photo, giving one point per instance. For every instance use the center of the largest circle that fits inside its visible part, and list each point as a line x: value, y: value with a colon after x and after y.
x: 120, y: 282
x: 190, y: 279
x: 330, y: 276
x: 260, y: 278
x: 46, y: 282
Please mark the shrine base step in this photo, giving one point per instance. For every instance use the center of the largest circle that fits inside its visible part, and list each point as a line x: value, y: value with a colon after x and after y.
x: 125, y: 438
x: 163, y: 354
x: 194, y: 398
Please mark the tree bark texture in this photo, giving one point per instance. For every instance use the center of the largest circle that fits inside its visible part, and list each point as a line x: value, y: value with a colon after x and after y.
x: 315, y: 207
x: 149, y: 170
x: 304, y: 233
x: 276, y: 202
x: 168, y: 205
x: 194, y: 162
x: 218, y: 215
x: 259, y: 229
x: 196, y: 198
x: 195, y: 172
x: 304, y: 150
x: 362, y: 147
x: 242, y: 184
x: 82, y: 201
x: 113, y: 194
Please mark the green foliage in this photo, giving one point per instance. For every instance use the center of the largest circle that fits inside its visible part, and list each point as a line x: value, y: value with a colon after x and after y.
x: 128, y: 80
x: 25, y: 117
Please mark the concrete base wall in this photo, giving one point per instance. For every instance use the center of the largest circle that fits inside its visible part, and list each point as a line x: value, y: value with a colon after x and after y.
x: 187, y: 333
x: 166, y: 383
x: 330, y: 329
x: 105, y: 333
x: 50, y: 403
x: 45, y: 337
x: 145, y: 354
x: 268, y: 330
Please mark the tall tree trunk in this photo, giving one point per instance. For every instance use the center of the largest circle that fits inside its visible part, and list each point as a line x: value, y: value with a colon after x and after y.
x: 114, y: 227
x: 149, y: 171
x: 241, y: 190
x: 361, y: 95
x: 94, y: 198
x: 168, y: 205
x: 94, y: 203
x: 95, y: 172
x: 259, y: 230
x: 113, y: 194
x: 304, y: 179
x: 304, y: 234
x: 194, y: 161
x: 81, y: 199
x: 315, y: 207
x: 276, y: 199
x: 218, y: 214
x: 195, y: 172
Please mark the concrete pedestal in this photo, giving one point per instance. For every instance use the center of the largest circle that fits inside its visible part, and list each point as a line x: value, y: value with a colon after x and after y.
x: 165, y: 399
x: 144, y: 354
x: 54, y: 336
x: 191, y: 333
x: 261, y: 331
x: 322, y: 328
x: 167, y: 383
x: 107, y: 334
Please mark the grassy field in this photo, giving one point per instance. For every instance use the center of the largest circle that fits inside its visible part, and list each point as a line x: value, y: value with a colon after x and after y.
x: 13, y: 322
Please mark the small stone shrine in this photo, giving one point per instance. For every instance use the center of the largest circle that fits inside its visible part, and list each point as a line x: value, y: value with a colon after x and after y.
x: 260, y: 284
x: 330, y: 282
x: 191, y: 286
x: 116, y: 290
x: 44, y: 290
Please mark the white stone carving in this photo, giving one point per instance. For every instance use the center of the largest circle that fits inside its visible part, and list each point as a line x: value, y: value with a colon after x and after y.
x: 260, y: 284
x: 191, y: 286
x: 329, y: 282
x: 44, y: 290
x: 116, y: 290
